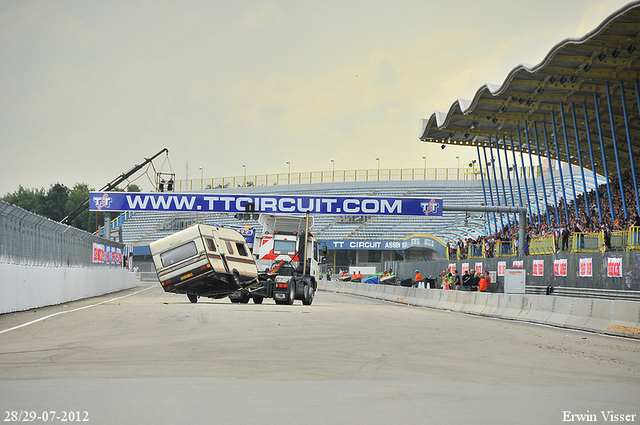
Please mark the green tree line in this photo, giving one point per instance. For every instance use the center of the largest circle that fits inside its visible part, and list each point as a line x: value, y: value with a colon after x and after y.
x: 58, y: 201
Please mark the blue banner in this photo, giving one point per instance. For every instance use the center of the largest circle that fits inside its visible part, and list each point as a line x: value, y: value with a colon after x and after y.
x: 363, y: 244
x: 201, y: 202
x: 415, y: 241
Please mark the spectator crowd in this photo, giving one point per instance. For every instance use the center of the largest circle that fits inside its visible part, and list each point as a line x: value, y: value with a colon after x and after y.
x: 588, y: 220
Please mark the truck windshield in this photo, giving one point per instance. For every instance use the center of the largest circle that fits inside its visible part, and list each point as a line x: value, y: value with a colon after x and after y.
x: 284, y: 247
x: 178, y: 254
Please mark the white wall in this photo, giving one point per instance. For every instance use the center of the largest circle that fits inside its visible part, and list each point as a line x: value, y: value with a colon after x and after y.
x: 615, y: 317
x: 25, y: 287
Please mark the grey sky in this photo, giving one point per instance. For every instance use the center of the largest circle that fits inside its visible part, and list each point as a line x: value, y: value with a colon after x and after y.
x: 88, y: 88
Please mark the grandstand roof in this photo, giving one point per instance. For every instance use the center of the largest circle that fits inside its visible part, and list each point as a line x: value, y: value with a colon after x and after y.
x: 559, y: 89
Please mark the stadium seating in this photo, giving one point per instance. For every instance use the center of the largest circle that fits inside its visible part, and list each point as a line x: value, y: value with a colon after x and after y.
x: 140, y: 228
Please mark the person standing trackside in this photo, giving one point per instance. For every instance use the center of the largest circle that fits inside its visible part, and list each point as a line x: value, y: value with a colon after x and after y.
x: 485, y: 282
x: 418, y: 280
x: 466, y: 281
x: 475, y: 281
x: 456, y: 281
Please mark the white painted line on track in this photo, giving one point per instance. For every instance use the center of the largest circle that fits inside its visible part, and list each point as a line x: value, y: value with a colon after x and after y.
x: 71, y: 311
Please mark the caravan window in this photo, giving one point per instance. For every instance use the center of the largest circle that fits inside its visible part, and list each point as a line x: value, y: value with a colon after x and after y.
x: 211, y: 245
x: 178, y: 254
x: 241, y: 249
x: 229, y: 245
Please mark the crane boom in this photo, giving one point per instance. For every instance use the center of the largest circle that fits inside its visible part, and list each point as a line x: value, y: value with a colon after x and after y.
x: 110, y: 186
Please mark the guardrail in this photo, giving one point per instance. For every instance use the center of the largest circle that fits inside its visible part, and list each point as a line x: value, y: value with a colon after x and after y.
x: 606, y: 294
x: 505, y: 249
x: 619, y: 240
x: 542, y: 245
x: 32, y: 240
x: 341, y: 176
x: 587, y: 242
x: 476, y: 251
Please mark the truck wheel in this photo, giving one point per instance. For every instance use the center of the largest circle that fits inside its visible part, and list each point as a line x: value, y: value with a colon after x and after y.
x: 193, y: 298
x: 258, y: 300
x: 292, y: 292
x: 245, y: 298
x: 308, y: 295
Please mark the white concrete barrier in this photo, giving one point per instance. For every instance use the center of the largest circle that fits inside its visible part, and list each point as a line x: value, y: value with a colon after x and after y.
x: 511, y: 305
x: 580, y: 313
x: 423, y: 297
x: 541, y: 309
x: 468, y: 301
x: 442, y: 299
x: 625, y: 319
x: 480, y: 303
x: 600, y: 316
x: 605, y: 316
x: 492, y: 305
x: 433, y: 297
x: 562, y: 308
x: 25, y: 287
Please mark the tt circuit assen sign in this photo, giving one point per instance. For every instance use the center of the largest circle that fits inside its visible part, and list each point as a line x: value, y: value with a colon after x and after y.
x: 199, y: 202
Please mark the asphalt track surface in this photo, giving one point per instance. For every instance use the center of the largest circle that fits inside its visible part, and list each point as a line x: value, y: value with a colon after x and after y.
x: 144, y: 356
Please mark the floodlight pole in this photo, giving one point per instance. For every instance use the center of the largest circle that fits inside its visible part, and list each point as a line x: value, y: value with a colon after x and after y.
x: 306, y: 241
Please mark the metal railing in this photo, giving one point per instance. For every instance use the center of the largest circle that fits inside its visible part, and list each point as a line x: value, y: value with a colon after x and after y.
x: 505, y: 249
x: 633, y: 239
x: 587, y: 242
x: 626, y: 278
x: 29, y: 239
x: 476, y: 251
x: 542, y: 245
x: 607, y: 294
x: 341, y: 176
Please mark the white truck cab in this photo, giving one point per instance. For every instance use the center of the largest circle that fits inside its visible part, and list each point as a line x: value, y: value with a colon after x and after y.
x: 283, y: 240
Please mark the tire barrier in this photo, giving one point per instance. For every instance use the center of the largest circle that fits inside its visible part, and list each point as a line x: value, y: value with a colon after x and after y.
x: 613, y: 317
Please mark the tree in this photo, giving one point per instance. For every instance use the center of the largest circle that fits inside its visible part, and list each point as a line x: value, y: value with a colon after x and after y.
x: 77, y: 196
x: 31, y: 200
x: 132, y: 187
x: 55, y: 202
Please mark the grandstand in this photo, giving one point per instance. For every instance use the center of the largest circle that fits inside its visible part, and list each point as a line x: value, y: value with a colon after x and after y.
x: 141, y: 228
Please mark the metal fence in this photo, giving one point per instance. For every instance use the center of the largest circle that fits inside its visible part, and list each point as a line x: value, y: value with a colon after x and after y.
x: 338, y: 176
x: 546, y: 273
x: 29, y: 239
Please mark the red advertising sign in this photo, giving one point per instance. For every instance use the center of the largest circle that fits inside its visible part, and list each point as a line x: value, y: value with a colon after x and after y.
x: 98, y: 253
x: 502, y: 266
x: 479, y: 267
x: 560, y: 267
x: 614, y: 267
x: 118, y: 256
x: 586, y: 267
x: 538, y: 267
